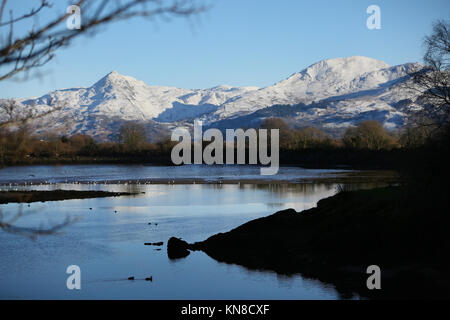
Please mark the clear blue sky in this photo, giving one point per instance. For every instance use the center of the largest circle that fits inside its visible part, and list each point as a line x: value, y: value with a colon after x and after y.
x: 238, y: 42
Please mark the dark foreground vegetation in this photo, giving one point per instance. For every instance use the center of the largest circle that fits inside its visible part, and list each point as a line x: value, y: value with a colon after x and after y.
x: 54, y: 195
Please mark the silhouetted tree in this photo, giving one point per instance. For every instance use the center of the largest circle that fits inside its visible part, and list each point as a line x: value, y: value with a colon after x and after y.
x: 428, y: 170
x: 433, y: 81
x: 412, y: 136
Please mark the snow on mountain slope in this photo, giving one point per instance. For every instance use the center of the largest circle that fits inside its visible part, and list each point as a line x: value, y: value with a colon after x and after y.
x: 131, y: 99
x: 98, y: 109
x: 348, y: 89
x: 325, y: 79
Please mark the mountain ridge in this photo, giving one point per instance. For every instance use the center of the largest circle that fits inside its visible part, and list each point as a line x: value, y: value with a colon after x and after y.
x: 349, y: 89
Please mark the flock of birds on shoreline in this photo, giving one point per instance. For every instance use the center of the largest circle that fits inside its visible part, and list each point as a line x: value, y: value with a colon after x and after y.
x: 104, y: 182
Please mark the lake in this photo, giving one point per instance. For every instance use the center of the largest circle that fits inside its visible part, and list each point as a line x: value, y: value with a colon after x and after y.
x: 107, y: 242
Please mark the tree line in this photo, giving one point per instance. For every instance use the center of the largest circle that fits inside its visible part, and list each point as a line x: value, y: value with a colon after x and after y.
x: 19, y: 146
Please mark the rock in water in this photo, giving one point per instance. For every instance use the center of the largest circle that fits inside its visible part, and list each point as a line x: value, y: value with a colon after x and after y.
x: 177, y: 248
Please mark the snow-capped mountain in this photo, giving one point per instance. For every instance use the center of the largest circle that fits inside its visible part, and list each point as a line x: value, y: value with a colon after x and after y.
x: 331, y: 93
x: 325, y: 79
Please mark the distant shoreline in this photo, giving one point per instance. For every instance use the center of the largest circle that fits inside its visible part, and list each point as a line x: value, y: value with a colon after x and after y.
x: 308, y: 158
x: 372, y: 176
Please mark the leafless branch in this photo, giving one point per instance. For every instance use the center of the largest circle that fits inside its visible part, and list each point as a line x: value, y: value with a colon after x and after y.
x: 15, y: 114
x: 432, y: 83
x: 38, y: 46
x: 10, y: 226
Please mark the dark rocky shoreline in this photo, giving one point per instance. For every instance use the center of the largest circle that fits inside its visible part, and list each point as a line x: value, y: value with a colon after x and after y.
x: 338, y: 240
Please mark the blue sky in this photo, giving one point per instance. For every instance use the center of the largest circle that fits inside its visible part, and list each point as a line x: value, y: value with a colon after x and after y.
x: 237, y: 42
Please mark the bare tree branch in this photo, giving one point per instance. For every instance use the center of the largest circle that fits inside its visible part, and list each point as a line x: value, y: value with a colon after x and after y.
x: 38, y: 46
x: 15, y: 114
x: 432, y: 82
x: 33, y: 12
x: 9, y: 225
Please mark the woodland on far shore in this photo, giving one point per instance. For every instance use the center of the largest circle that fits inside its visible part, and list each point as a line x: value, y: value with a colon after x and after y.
x: 367, y: 145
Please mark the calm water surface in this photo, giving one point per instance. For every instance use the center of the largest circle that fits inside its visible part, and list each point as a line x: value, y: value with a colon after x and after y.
x: 109, y: 247
x: 123, y: 173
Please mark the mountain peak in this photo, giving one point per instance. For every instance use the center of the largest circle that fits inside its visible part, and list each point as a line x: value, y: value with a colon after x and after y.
x: 344, y: 68
x: 327, y: 73
x: 354, y: 59
x: 113, y: 74
x: 115, y: 79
